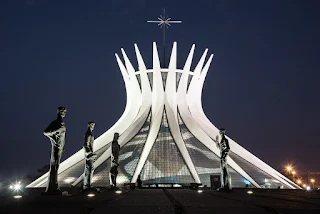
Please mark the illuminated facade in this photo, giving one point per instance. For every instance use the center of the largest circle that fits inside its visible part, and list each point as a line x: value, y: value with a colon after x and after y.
x: 164, y: 134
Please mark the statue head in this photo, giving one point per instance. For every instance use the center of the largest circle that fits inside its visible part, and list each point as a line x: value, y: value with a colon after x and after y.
x: 62, y: 111
x: 91, y: 125
x: 116, y: 136
x: 222, y: 131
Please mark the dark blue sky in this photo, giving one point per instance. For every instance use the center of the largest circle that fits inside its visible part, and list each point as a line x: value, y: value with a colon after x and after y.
x: 262, y: 85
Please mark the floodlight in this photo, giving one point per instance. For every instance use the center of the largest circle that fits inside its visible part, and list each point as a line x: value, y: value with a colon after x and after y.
x: 17, y: 187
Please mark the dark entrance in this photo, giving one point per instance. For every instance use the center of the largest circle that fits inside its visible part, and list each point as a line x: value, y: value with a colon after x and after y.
x: 215, y: 181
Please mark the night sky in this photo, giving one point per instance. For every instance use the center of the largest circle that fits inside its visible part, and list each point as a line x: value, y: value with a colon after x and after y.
x: 263, y: 83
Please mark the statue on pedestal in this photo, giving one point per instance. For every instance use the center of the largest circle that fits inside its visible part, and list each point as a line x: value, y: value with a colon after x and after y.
x: 114, y: 160
x: 90, y: 156
x: 224, y: 151
x: 56, y: 133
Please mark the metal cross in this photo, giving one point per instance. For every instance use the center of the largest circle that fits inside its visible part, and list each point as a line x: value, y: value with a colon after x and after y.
x: 164, y: 22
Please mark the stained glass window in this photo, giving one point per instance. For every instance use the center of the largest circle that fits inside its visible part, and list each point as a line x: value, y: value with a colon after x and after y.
x: 165, y: 163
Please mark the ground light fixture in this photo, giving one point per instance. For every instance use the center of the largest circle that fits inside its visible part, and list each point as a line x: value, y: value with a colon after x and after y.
x: 200, y: 191
x: 17, y: 196
x: 15, y: 187
x: 118, y: 191
x: 90, y: 195
x: 249, y: 192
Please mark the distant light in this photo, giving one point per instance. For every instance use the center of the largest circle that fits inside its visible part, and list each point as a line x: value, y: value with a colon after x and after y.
x: 118, y: 191
x: 293, y: 172
x: 312, y: 180
x: 249, y: 192
x: 17, y: 196
x: 10, y: 187
x: 200, y: 191
x: 299, y: 181
x: 308, y: 188
x: 265, y: 180
x: 90, y: 195
x: 17, y: 187
x: 289, y: 168
x: 304, y: 185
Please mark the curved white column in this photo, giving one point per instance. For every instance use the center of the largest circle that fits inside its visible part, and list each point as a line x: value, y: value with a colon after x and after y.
x: 190, y: 122
x: 156, y: 113
x: 195, y: 106
x: 172, y: 114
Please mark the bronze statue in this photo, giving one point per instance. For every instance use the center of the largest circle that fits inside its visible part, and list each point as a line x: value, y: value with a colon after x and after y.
x: 56, y: 133
x: 224, y: 151
x: 114, y: 160
x: 139, y: 181
x: 90, y: 156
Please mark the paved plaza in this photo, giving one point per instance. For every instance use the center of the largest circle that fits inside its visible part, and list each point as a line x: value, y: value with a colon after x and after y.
x: 163, y: 201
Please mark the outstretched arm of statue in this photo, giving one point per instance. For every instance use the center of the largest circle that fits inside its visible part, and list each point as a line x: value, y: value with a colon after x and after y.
x: 54, y: 129
x: 217, y: 141
x: 48, y: 132
x: 87, y: 143
x: 89, y: 154
x: 227, y: 144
